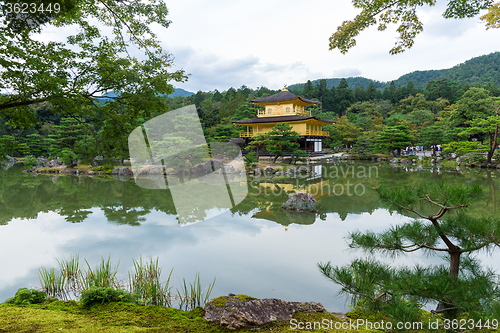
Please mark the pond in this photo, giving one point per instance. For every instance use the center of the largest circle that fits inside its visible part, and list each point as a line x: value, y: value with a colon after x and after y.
x: 256, y: 248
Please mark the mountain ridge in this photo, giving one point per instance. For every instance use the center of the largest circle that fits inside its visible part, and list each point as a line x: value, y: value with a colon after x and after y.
x: 484, y: 69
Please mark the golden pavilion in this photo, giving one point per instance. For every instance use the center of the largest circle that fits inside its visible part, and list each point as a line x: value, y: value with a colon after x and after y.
x: 288, y: 108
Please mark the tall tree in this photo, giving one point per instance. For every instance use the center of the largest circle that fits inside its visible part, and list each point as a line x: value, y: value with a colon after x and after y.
x: 344, y: 97
x: 371, y: 92
x: 245, y: 110
x: 392, y: 92
x: 360, y: 94
x: 72, y: 75
x: 442, y: 88
x: 308, y: 91
x: 320, y: 92
x: 410, y: 88
x: 475, y: 103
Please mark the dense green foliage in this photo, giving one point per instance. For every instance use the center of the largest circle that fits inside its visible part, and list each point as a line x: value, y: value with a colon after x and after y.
x: 25, y: 296
x: 99, y: 295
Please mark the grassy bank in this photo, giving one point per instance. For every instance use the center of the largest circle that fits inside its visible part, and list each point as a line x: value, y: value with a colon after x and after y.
x: 70, y: 316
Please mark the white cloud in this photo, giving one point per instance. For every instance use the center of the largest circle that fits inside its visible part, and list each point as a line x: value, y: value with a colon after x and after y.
x: 346, y: 72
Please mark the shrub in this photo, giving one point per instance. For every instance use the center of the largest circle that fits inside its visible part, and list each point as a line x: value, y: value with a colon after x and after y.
x: 104, y: 168
x: 496, y: 155
x: 25, y: 296
x: 473, y: 158
x: 251, y: 160
x: 95, y: 295
x: 68, y: 157
x: 30, y: 160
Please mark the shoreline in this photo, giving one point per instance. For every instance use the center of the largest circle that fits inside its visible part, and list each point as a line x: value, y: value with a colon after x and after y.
x: 266, y: 162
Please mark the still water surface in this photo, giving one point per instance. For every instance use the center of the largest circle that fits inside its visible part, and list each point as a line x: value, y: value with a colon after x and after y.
x: 256, y: 248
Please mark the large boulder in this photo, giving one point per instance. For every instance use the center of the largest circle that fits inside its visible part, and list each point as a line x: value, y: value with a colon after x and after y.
x: 32, y: 170
x: 207, y: 167
x: 269, y: 170
x: 54, y: 162
x: 122, y: 171
x: 226, y: 169
x: 237, y: 311
x: 302, y: 202
x: 303, y: 169
x: 151, y: 170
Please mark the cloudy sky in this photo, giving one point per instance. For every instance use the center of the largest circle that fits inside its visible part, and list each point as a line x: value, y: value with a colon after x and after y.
x: 227, y: 43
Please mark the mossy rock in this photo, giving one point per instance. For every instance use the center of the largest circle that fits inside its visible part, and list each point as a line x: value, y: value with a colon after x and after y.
x: 222, y: 300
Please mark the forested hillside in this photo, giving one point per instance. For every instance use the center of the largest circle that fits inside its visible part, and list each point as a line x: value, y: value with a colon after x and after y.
x: 366, y: 119
x: 483, y: 69
x: 367, y: 114
x: 351, y: 81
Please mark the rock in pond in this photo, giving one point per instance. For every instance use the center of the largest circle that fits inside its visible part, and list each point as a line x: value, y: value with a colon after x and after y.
x: 302, y: 169
x: 122, y: 171
x: 32, y: 170
x: 237, y: 311
x: 269, y: 170
x: 302, y: 202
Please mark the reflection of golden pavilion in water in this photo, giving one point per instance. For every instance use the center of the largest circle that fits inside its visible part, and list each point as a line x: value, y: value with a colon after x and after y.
x: 285, y: 107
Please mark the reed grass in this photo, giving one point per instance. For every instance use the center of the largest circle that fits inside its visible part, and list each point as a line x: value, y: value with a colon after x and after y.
x: 147, y: 286
x: 71, y: 271
x: 145, y: 282
x: 102, y: 275
x: 193, y: 295
x: 71, y: 268
x: 53, y: 284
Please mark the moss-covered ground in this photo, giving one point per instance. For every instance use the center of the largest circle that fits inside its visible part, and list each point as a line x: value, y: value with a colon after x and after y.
x: 70, y: 316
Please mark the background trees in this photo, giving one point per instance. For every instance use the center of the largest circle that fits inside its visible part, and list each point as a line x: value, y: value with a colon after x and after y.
x: 362, y: 108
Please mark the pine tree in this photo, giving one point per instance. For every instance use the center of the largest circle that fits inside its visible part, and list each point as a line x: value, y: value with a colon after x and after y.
x: 460, y: 287
x: 344, y: 97
x: 308, y: 91
x: 371, y: 92
x: 65, y: 139
x: 395, y: 138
